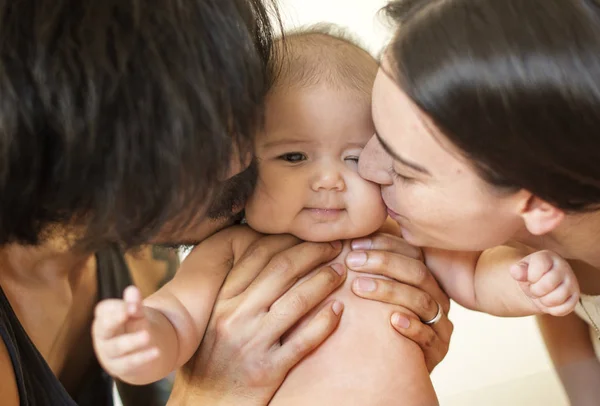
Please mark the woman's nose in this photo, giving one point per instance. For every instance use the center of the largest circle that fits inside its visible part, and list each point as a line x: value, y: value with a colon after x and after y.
x: 374, y: 163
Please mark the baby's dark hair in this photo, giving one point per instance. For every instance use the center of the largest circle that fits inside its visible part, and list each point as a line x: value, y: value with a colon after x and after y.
x: 323, y: 54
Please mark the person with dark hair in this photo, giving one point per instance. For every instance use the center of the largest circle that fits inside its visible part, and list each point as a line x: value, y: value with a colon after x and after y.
x: 317, y: 119
x: 118, y: 124
x: 487, y: 115
x: 132, y: 122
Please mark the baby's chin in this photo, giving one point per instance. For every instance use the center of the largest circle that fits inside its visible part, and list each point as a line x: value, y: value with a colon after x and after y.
x: 324, y: 234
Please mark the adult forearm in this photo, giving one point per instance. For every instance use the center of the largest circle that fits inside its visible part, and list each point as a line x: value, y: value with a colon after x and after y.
x: 581, y: 381
x: 570, y: 347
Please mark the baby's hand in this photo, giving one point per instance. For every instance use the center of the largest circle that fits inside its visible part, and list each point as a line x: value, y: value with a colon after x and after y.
x: 549, y: 281
x: 121, y: 335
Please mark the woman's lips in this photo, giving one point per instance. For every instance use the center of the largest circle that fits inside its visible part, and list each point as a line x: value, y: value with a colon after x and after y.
x: 392, y: 213
x: 398, y: 217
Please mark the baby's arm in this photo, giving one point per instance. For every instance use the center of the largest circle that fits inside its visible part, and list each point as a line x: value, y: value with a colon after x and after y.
x: 506, y: 280
x: 142, y: 343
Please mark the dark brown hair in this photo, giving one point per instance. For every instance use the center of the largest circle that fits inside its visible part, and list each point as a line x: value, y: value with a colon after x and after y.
x: 514, y: 84
x: 118, y: 116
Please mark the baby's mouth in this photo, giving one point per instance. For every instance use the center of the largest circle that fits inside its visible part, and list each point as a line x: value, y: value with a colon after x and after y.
x: 325, y: 213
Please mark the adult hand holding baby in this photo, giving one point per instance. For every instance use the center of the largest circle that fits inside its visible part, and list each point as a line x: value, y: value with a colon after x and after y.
x: 241, y: 359
x: 412, y: 288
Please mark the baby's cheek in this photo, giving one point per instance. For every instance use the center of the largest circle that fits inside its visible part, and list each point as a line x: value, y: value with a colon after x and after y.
x: 367, y: 208
x: 253, y: 212
x: 262, y: 214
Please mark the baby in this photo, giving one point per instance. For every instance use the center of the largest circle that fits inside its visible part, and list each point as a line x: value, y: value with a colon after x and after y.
x: 318, y: 121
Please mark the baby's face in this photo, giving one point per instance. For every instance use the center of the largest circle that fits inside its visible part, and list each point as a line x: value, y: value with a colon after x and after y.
x: 308, y: 181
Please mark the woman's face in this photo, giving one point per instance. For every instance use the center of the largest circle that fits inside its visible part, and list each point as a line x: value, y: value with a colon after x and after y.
x: 429, y: 189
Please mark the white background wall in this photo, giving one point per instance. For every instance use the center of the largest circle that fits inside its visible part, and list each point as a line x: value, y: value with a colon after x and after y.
x: 492, y: 361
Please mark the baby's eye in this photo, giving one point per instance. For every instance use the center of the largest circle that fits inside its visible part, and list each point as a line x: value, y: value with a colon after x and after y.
x: 293, y: 157
x: 352, y: 162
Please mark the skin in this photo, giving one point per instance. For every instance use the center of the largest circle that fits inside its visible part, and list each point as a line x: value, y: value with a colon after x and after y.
x: 437, y: 199
x: 53, y: 293
x: 440, y: 201
x: 63, y: 277
x: 308, y: 158
x: 54, y: 301
x: 308, y: 167
x: 308, y: 164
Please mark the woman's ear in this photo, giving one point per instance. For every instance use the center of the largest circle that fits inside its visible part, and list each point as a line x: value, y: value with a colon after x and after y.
x: 541, y: 217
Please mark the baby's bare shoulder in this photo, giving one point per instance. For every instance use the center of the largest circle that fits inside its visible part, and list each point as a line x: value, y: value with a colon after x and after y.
x: 230, y: 243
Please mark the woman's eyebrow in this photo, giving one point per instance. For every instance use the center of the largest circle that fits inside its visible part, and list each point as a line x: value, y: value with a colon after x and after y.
x: 398, y: 158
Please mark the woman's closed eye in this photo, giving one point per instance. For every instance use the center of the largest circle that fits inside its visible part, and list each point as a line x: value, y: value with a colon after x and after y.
x: 293, y: 157
x: 398, y: 176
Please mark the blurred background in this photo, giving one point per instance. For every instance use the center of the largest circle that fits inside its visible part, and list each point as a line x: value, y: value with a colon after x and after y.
x: 492, y: 361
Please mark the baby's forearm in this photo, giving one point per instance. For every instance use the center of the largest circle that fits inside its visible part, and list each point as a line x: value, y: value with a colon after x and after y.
x: 481, y: 280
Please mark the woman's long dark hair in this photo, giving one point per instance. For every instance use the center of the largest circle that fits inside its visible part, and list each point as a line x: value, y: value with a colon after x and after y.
x: 514, y: 84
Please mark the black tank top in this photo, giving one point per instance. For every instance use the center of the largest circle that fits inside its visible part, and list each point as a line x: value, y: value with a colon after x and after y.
x: 36, y: 383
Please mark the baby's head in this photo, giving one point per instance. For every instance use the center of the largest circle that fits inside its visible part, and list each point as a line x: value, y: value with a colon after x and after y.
x: 318, y: 120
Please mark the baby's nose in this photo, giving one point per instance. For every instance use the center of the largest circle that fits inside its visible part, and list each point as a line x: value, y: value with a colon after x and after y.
x: 328, y: 179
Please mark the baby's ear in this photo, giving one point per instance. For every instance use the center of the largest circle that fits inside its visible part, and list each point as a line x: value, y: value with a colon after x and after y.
x: 541, y: 217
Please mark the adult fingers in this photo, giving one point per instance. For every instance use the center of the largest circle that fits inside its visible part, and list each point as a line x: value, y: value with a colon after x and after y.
x: 254, y: 260
x: 309, y: 337
x: 387, y: 242
x: 298, y: 301
x: 398, y: 267
x: 414, y: 299
x: 434, y: 340
x: 286, y: 268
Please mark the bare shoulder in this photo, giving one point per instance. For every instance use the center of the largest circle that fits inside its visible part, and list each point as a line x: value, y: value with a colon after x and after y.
x: 224, y: 247
x: 237, y: 236
x: 8, y: 383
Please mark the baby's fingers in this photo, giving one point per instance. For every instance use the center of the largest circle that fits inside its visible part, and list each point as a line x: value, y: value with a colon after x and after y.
x: 539, y: 264
x: 126, y: 365
x: 133, y: 298
x: 124, y: 345
x: 548, y: 283
x: 519, y: 271
x: 564, y: 307
x: 110, y: 318
x: 562, y: 299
